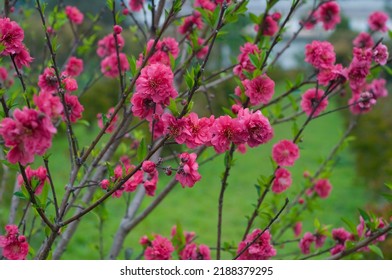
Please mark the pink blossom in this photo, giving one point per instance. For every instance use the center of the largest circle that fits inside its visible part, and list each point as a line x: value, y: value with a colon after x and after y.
x: 137, y: 178
x: 340, y: 235
x: 117, y: 29
x: 319, y: 240
x: 205, y: 4
x: 323, y: 188
x: 363, y: 40
x: 22, y: 57
x: 270, y: 25
x: 109, y: 65
x: 380, y: 54
x: 149, y: 166
x: 297, y: 229
x: 175, y: 128
x: 74, y: 108
x: 187, y: 173
x: 357, y: 72
x: 225, y: 131
x: 333, y: 73
x: 282, y: 180
x: 329, y: 15
x: 244, y: 62
x: 189, y: 236
x: 49, y: 104
x: 28, y: 133
x: 285, y: 153
x: 305, y: 243
x: 107, y: 45
x: 136, y: 5
x: 310, y: 22
x: 39, y: 175
x: 337, y: 249
x: 194, y: 252
x: 362, y: 103
x: 5, y: 79
x: 378, y: 21
x: 105, y: 183
x: 378, y: 88
x: 203, y: 50
x: 74, y: 15
x: 198, y: 130
x: 261, y: 249
x: 108, y: 115
x: 320, y: 54
x: 150, y: 186
x: 47, y: 81
x: 70, y: 84
x: 256, y: 126
x: 313, y: 101
x: 159, y: 249
x: 191, y: 23
x: 15, y: 246
x: 74, y: 67
x: 259, y: 90
x: 144, y: 107
x: 11, y: 37
x: 156, y: 82
x: 362, y: 54
x: 162, y: 51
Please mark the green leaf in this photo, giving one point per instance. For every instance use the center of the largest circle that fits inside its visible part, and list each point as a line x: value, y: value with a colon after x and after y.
x: 317, y: 224
x: 350, y: 225
x: 295, y: 128
x: 132, y: 65
x: 173, y: 107
x: 142, y: 150
x: 376, y: 250
x: 364, y: 215
x: 389, y: 185
x: 21, y: 195
x: 110, y: 169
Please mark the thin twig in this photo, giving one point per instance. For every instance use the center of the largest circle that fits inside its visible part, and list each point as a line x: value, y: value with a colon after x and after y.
x: 262, y: 232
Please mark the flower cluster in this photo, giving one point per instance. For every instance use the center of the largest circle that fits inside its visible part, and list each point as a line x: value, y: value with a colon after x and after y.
x: 259, y: 90
x: 11, y: 40
x: 154, y: 88
x: 28, y: 133
x: 308, y: 239
x: 163, y: 50
x: 119, y: 172
x: 244, y: 62
x: 158, y: 247
x: 36, y: 178
x: 327, y: 13
x: 74, y: 15
x: 107, y: 50
x: 261, y: 249
x: 187, y: 173
x: 108, y: 115
x: 270, y: 24
x: 15, y: 246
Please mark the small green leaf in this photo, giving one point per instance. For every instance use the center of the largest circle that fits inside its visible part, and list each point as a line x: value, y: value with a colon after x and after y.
x: 142, y: 150
x: 364, y: 215
x: 350, y: 225
x: 376, y: 250
x: 20, y: 195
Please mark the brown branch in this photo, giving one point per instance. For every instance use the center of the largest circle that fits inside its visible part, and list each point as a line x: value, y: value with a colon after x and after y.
x: 362, y: 243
